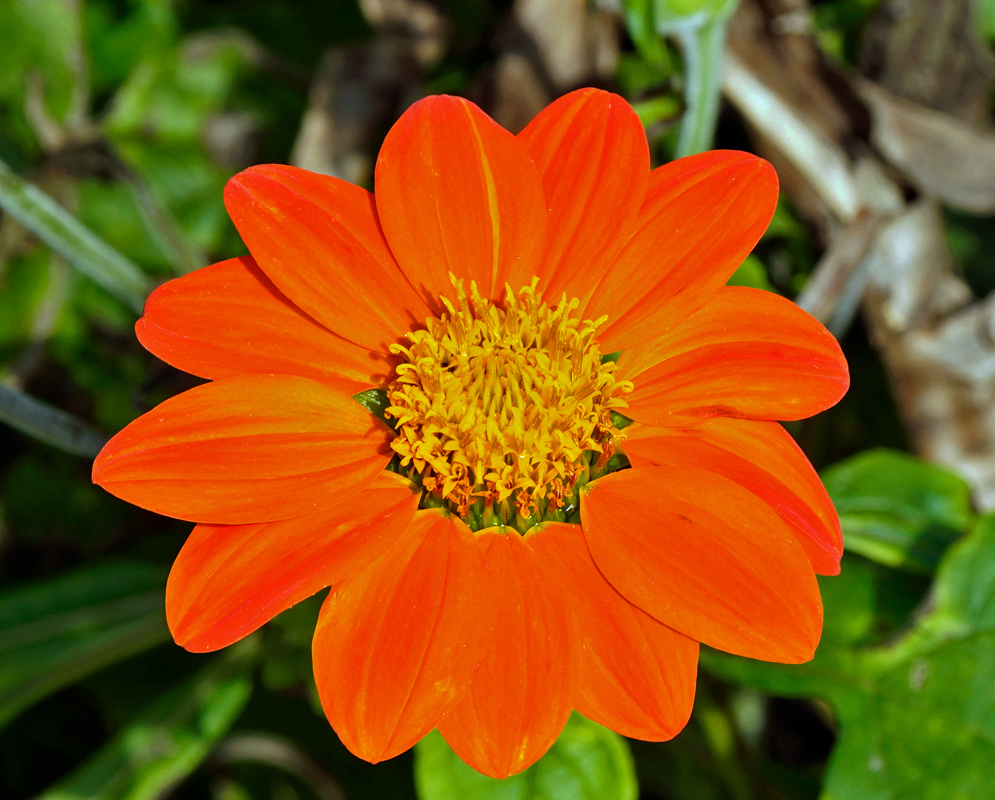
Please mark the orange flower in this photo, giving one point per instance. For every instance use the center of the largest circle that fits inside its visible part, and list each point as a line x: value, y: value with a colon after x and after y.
x: 493, y: 563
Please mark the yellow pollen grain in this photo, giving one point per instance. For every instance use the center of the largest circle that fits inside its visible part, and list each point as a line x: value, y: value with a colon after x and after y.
x: 496, y: 405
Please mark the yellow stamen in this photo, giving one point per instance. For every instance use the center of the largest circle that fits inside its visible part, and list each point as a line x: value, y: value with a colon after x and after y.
x: 494, y: 404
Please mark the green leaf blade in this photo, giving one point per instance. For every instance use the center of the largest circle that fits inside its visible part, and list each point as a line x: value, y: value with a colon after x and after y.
x: 55, y: 226
x: 49, y: 424
x: 55, y: 633
x: 167, y: 741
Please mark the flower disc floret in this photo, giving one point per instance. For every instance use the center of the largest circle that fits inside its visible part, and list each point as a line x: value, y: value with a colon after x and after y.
x: 500, y: 412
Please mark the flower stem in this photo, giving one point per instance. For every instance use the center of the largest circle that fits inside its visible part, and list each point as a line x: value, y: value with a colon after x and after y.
x: 702, y: 45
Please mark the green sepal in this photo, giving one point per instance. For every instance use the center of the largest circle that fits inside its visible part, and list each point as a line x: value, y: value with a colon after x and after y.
x: 620, y: 421
x: 615, y: 463
x: 375, y: 401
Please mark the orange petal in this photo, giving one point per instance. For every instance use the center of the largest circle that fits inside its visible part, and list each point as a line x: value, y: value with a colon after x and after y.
x: 229, y: 319
x: 228, y: 580
x: 701, y: 217
x: 635, y: 675
x: 521, y: 693
x: 706, y: 557
x: 761, y: 457
x: 458, y: 194
x: 591, y: 151
x: 318, y: 239
x: 748, y: 353
x: 396, y: 643
x: 242, y: 450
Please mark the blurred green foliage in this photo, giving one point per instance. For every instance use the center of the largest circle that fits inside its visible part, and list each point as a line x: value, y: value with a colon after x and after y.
x: 56, y: 632
x: 131, y: 115
x: 985, y: 17
x: 898, y: 511
x: 587, y: 762
x: 915, y: 712
x: 839, y: 26
x: 168, y: 740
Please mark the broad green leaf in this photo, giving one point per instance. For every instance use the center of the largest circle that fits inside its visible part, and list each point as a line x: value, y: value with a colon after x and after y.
x: 587, y: 762
x: 917, y: 716
x: 848, y: 601
x: 168, y: 740
x: 55, y: 632
x: 897, y: 509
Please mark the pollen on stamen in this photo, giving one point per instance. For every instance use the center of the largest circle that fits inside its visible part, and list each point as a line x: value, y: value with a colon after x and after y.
x: 502, y: 412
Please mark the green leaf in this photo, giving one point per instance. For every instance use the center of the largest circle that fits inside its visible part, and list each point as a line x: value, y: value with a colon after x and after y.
x: 55, y: 226
x: 56, y: 632
x: 917, y: 715
x: 897, y: 509
x: 587, y: 762
x: 168, y: 740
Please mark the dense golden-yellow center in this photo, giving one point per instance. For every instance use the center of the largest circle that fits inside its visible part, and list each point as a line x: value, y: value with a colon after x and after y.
x: 501, y: 412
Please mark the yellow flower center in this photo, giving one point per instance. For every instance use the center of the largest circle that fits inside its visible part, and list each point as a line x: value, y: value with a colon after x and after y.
x: 502, y: 413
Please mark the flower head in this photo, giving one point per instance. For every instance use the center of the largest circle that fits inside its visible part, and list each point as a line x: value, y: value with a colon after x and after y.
x: 495, y: 406
x: 502, y: 544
